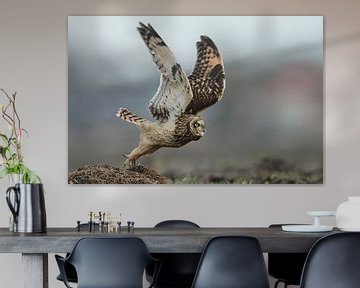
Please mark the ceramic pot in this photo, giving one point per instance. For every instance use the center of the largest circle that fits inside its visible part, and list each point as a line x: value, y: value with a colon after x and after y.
x: 27, y: 207
x: 348, y: 214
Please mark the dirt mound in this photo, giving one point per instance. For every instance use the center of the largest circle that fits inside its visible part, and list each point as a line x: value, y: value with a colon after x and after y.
x: 107, y: 174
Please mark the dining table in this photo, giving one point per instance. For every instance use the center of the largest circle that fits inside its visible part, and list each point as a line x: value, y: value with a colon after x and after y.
x: 35, y: 247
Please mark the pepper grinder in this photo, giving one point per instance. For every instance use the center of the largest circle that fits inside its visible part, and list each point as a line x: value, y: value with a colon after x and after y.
x: 100, y: 221
x: 131, y: 226
x: 90, y: 221
x: 78, y: 226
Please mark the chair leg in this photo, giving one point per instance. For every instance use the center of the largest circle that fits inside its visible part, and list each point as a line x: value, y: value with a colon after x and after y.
x: 278, y: 282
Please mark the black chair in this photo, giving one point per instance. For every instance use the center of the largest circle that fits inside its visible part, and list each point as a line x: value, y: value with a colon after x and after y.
x: 333, y: 262
x: 286, y: 267
x: 69, y: 269
x: 178, y: 269
x: 232, y: 262
x: 108, y: 262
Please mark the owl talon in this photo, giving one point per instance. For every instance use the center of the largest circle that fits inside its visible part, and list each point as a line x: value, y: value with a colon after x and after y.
x: 125, y: 164
x: 130, y: 163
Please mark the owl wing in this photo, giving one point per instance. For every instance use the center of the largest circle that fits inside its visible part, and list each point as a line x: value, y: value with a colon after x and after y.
x: 207, y: 80
x: 174, y: 92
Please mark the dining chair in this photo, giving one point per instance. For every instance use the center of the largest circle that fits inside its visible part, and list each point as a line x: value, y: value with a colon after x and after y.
x: 70, y: 271
x: 333, y: 262
x: 108, y: 263
x: 232, y: 262
x: 178, y: 269
x: 285, y: 267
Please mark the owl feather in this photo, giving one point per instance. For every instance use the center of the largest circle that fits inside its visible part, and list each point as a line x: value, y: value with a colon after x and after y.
x: 128, y: 116
x: 174, y: 92
x: 207, y: 80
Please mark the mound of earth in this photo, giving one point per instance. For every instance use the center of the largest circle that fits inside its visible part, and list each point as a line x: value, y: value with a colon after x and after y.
x: 107, y: 174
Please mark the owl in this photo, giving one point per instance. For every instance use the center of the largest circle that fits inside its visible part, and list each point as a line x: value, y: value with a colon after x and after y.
x: 180, y: 99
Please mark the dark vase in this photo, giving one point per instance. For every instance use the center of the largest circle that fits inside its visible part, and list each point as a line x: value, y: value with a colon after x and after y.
x: 27, y: 207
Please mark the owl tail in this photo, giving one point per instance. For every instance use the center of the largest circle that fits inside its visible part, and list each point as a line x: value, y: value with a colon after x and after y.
x: 127, y: 116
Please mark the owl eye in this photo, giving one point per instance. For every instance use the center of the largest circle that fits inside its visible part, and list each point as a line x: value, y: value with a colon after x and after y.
x: 196, y: 125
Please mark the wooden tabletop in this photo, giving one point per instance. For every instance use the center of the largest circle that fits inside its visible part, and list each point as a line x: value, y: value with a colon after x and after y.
x: 158, y: 240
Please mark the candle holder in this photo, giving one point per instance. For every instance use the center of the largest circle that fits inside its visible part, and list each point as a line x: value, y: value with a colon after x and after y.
x: 315, y: 227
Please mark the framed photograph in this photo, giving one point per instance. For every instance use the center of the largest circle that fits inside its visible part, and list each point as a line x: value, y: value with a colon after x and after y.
x: 195, y: 100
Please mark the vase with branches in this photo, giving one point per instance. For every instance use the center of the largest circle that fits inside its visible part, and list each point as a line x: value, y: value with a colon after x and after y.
x: 11, y: 158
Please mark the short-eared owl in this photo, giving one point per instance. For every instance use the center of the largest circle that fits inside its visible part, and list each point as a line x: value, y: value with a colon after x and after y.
x: 179, y: 99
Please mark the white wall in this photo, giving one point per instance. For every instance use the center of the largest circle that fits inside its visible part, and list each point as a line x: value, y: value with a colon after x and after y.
x: 33, y: 62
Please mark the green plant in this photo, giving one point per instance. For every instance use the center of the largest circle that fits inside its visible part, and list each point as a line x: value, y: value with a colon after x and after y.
x: 11, y: 158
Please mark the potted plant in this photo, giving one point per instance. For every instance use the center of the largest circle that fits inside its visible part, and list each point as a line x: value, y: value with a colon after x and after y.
x: 25, y: 197
x: 11, y: 158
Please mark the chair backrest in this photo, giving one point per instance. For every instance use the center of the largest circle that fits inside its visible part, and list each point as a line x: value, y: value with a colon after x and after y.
x: 287, y: 267
x: 333, y: 262
x: 110, y: 262
x: 232, y: 262
x: 176, y: 224
x: 178, y: 269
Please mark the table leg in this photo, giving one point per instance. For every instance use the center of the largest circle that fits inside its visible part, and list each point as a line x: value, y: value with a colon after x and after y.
x: 35, y: 270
